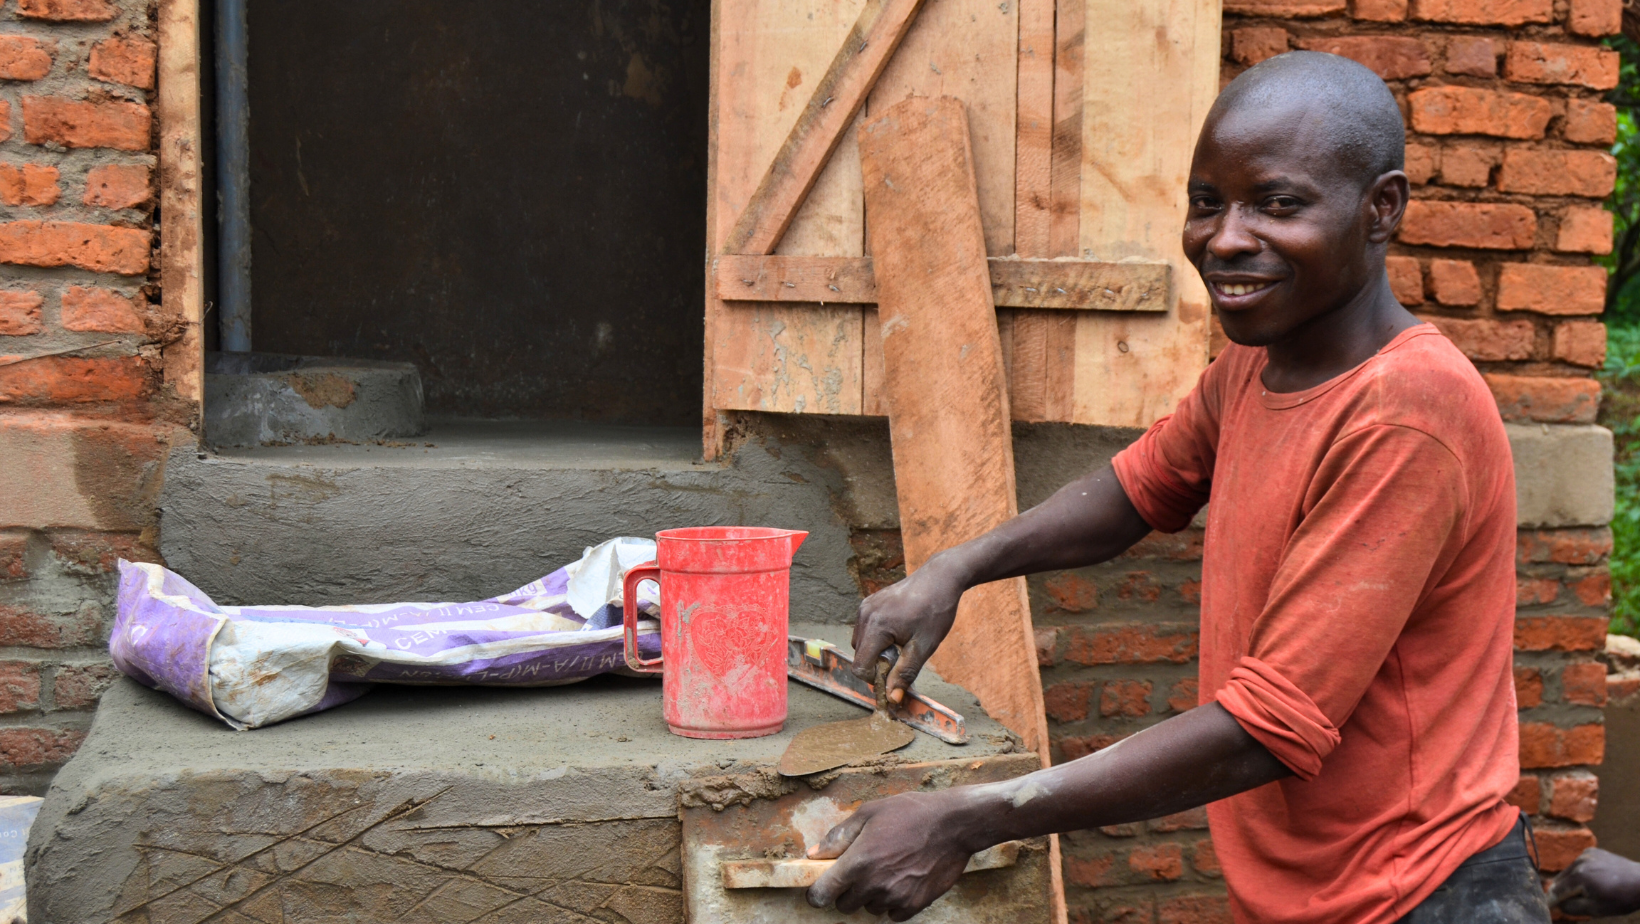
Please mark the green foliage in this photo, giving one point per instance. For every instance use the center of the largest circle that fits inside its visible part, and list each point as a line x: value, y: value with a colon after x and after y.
x: 1620, y: 411
x: 1623, y: 295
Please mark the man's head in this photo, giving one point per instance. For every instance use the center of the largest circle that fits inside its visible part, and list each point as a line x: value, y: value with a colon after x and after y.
x: 1295, y: 190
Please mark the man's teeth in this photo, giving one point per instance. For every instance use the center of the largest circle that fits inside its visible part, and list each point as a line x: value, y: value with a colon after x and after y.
x: 1242, y: 288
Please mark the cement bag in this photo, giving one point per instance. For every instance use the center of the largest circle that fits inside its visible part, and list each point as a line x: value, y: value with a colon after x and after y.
x: 255, y: 665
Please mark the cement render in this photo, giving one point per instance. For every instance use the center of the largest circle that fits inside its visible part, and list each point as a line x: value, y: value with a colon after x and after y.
x: 1563, y: 474
x: 410, y: 804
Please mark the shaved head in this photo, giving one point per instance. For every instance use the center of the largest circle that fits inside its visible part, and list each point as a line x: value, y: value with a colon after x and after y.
x: 1343, y: 104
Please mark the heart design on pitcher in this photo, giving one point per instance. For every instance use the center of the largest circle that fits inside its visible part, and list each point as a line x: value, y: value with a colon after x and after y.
x: 720, y: 637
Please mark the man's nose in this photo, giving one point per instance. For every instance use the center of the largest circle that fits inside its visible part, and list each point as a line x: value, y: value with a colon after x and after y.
x: 1233, y: 237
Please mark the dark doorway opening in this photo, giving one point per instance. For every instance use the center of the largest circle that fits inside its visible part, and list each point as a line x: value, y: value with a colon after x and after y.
x: 508, y: 193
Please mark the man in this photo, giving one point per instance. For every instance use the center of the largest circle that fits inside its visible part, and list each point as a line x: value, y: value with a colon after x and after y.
x: 1598, y: 884
x: 1357, y: 735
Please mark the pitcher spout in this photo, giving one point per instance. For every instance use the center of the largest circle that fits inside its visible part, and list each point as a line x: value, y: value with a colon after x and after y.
x: 797, y: 536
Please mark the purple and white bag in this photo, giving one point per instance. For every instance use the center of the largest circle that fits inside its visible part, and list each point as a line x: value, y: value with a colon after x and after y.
x: 255, y: 665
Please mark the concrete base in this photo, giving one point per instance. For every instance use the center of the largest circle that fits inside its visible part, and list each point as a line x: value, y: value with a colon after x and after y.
x: 255, y: 399
x: 411, y: 805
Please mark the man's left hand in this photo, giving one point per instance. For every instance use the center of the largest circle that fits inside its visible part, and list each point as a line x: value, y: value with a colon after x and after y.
x: 894, y: 856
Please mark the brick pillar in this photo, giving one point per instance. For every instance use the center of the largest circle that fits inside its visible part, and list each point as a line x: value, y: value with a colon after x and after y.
x: 85, y: 422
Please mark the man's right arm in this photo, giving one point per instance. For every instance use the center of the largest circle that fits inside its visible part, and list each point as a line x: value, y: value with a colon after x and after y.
x: 1086, y: 522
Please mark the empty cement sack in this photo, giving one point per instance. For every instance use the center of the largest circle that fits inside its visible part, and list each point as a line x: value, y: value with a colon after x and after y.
x: 255, y: 665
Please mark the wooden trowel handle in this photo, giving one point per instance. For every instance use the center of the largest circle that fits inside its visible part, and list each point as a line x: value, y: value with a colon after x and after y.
x: 800, y: 874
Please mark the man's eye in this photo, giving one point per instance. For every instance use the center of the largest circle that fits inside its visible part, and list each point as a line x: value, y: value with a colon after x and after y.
x: 1281, y: 203
x: 1204, y: 203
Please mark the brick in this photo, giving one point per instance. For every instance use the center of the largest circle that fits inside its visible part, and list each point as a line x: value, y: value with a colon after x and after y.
x: 1590, y: 122
x: 1185, y: 695
x: 1390, y: 57
x: 1378, y: 10
x: 124, y: 59
x: 1585, y: 230
x: 1126, y: 698
x: 1139, y: 585
x: 1581, y: 343
x: 13, y: 555
x: 1188, y: 820
x: 67, y: 10
x: 1528, y: 687
x: 1484, y: 12
x: 1564, y: 546
x: 21, y: 626
x: 1047, y: 646
x: 102, y: 310
x: 1545, y: 399
x: 1583, y: 683
x: 1471, y: 56
x: 1543, y: 745
x: 1406, y: 279
x: 1184, y: 545
x: 118, y: 186
x: 19, y: 686
x: 1557, y: 290
x: 1283, y: 8
x: 1558, y: 173
x: 79, y: 686
x: 1161, y: 863
x: 28, y: 184
x: 98, y: 553
x: 5, y: 120
x: 1071, y: 593
x: 1194, y: 909
x: 1595, y: 17
x: 1190, y: 591
x: 84, y: 124
x: 1543, y: 62
x: 1422, y: 161
x: 64, y: 380
x: 1079, y: 747
x: 37, y: 747
x: 100, y: 248
x: 23, y: 57
x: 1132, y: 643
x: 1472, y: 111
x: 20, y: 313
x: 1535, y: 591
x: 1068, y: 701
x: 1558, y: 847
x: 1486, y: 340
x: 1594, y: 589
x: 1257, y: 43
x: 1482, y: 225
x: 1091, y: 872
x: 1527, y: 795
x: 1622, y: 686
x: 1467, y: 166
x: 1454, y: 282
x: 1205, y: 859
x: 64, y: 471
x: 1560, y: 633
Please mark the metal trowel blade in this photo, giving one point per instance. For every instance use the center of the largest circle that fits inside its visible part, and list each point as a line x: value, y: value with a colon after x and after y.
x: 835, y: 744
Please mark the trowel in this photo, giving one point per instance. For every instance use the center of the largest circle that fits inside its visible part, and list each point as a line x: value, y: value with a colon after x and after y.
x: 836, y: 744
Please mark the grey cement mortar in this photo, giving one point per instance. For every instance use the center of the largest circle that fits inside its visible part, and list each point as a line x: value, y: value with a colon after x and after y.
x: 404, y: 792
x: 257, y: 399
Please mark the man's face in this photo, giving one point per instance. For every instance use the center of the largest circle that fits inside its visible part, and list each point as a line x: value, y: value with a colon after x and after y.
x: 1278, y: 228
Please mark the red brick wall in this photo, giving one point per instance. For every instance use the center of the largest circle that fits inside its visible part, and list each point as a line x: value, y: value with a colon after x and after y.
x: 85, y: 420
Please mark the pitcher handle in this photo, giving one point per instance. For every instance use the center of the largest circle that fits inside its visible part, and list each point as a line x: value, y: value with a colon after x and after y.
x: 629, y: 617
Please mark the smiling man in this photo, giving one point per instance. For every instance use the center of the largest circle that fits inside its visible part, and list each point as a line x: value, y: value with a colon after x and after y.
x: 1357, y: 736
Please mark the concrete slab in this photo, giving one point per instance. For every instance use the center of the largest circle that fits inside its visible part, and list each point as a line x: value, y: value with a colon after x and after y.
x: 253, y: 399
x: 1563, y: 474
x: 409, y: 805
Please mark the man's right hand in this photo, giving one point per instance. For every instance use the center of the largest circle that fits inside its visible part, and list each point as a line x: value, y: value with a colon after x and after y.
x: 1598, y: 884
x: 915, y: 614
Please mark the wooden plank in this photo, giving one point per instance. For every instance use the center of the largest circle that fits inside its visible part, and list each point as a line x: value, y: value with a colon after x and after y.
x: 945, y: 389
x: 1078, y: 285
x: 1066, y: 185
x: 772, y: 356
x: 1033, y: 143
x: 1144, y: 97
x: 831, y: 108
x: 182, y: 246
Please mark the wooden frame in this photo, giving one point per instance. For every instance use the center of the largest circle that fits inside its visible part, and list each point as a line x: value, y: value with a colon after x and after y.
x: 182, y: 239
x: 1083, y: 163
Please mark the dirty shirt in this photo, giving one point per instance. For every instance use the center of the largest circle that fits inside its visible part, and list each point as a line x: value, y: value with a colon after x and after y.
x: 1357, y: 619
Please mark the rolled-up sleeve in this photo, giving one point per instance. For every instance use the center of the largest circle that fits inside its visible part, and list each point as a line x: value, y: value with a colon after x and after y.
x: 1168, y: 472
x: 1378, y: 520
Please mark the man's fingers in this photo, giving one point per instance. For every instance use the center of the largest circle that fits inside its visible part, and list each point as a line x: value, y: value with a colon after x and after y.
x: 869, y: 645
x: 1564, y: 887
x: 1579, y: 906
x: 832, y: 886
x: 905, y: 670
x: 839, y: 838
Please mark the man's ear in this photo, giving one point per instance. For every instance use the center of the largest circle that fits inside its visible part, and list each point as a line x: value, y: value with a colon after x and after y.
x: 1387, y: 199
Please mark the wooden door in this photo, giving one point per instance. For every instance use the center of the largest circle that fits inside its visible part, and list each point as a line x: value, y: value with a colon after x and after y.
x: 1082, y: 115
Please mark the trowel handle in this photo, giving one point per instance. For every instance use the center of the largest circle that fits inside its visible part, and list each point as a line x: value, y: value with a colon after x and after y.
x: 629, y: 617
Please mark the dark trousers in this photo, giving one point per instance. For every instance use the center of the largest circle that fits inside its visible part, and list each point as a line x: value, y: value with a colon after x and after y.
x: 1499, y: 885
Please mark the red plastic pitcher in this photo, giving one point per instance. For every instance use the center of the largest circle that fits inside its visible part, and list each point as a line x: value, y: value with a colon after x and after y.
x: 725, y: 593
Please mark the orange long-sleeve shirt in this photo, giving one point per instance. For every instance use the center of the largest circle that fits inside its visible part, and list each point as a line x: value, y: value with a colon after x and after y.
x: 1357, y: 619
